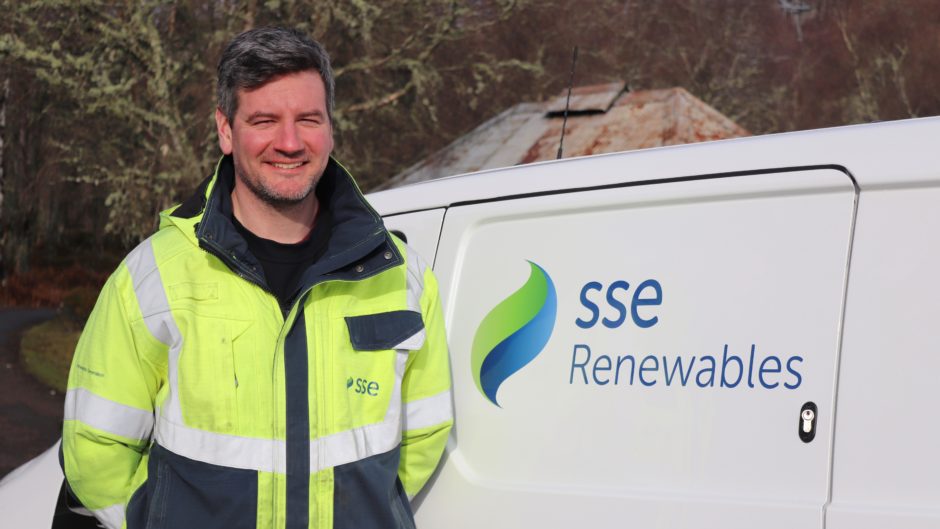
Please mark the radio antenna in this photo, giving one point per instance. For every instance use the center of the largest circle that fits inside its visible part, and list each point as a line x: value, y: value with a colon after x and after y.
x: 564, y: 123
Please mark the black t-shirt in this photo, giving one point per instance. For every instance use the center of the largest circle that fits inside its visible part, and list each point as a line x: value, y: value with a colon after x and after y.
x: 284, y: 264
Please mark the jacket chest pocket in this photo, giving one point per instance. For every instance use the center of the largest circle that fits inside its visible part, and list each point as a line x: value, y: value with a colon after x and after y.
x: 369, y: 356
x: 207, y: 378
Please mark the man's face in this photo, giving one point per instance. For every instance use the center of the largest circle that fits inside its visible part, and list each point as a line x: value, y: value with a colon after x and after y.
x: 280, y: 137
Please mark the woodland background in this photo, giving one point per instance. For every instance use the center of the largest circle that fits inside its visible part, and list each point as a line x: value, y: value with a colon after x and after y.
x: 106, y: 106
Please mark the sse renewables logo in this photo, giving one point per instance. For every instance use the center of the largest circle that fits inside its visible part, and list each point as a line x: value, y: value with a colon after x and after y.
x: 514, y: 332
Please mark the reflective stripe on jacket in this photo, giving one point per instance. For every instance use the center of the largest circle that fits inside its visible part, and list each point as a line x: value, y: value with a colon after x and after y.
x: 194, y: 401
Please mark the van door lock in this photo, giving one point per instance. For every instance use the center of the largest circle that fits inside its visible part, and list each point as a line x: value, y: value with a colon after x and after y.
x: 807, y: 429
x: 808, y: 417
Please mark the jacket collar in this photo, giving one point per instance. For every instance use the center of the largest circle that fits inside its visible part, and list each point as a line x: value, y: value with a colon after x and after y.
x: 359, y: 245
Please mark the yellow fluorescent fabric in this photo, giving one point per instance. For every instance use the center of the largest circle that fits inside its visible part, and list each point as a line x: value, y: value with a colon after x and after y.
x: 100, y: 462
x: 427, y: 376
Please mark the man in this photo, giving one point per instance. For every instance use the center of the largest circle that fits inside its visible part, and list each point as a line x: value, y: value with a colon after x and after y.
x: 271, y: 357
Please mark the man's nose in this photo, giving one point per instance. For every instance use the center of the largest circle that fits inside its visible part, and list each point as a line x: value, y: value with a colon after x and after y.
x: 288, y: 139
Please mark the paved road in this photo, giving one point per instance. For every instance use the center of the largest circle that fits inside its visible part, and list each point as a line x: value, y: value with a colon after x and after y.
x: 30, y: 413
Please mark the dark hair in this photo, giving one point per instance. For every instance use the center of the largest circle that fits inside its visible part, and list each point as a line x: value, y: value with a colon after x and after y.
x: 258, y: 55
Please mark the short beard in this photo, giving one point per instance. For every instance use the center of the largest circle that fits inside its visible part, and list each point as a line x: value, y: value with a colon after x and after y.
x: 279, y: 202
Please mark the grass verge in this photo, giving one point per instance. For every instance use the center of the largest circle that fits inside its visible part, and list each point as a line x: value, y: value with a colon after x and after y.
x: 46, y: 351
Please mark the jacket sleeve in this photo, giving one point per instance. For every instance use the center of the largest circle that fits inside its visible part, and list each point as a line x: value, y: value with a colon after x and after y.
x: 109, y: 403
x: 426, y: 389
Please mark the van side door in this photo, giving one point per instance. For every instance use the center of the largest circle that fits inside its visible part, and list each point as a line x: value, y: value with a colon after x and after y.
x: 661, y: 354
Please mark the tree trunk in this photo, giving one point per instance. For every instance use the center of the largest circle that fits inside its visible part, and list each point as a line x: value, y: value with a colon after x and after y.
x: 4, y: 95
x: 22, y: 142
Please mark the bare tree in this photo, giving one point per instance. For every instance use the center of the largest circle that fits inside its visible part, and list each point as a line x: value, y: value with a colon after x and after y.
x: 109, y: 108
x: 128, y: 89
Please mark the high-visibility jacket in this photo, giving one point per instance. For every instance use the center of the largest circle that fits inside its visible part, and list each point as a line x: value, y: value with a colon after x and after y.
x: 194, y: 401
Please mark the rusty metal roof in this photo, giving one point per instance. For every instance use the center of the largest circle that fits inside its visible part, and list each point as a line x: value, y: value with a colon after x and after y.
x: 602, y: 119
x: 586, y: 99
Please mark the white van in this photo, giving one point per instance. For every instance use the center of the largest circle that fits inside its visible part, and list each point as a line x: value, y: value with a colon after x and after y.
x: 736, y: 334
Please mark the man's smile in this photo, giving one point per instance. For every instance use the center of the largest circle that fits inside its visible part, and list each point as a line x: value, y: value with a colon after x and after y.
x: 291, y: 165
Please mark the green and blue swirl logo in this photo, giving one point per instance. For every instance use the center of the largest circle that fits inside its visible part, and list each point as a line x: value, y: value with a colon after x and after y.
x: 514, y: 332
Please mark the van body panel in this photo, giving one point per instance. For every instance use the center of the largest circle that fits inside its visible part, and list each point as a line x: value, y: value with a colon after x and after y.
x: 886, y: 469
x: 28, y: 494
x: 863, y: 516
x: 612, y: 420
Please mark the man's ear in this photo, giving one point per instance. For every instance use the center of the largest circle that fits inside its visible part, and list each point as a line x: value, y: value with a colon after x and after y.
x: 225, y: 131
